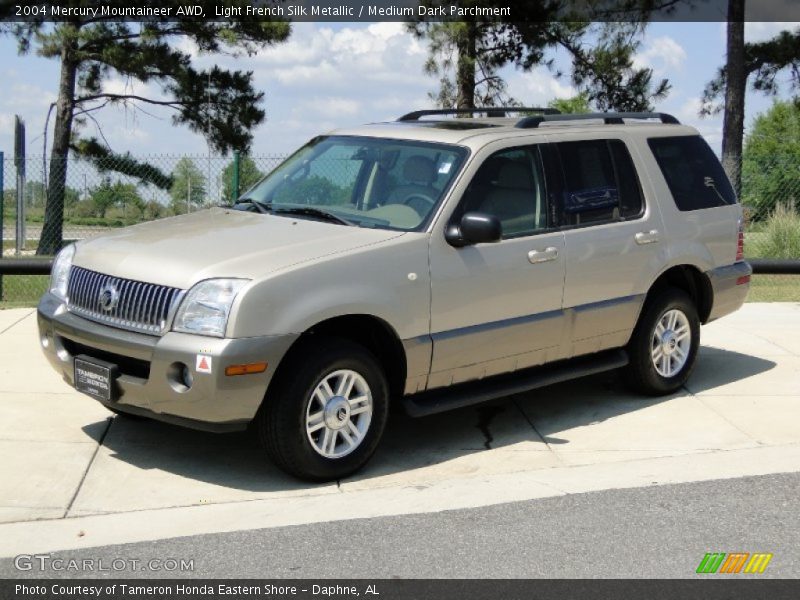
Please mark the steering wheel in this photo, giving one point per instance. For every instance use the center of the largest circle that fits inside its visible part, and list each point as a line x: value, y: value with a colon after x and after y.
x: 420, y: 202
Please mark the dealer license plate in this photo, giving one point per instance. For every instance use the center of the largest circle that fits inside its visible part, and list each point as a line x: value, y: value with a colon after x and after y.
x: 95, y: 377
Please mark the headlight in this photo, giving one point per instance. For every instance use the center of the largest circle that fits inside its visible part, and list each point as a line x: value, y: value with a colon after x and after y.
x: 206, y: 307
x: 59, y: 275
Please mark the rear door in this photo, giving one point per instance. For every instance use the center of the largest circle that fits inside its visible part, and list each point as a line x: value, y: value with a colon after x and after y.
x: 613, y: 238
x: 703, y: 216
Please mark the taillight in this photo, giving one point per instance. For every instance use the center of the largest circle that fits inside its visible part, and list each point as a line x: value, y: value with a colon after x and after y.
x: 740, y: 242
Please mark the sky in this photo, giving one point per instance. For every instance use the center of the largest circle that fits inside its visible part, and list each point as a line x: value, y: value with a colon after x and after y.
x: 337, y: 75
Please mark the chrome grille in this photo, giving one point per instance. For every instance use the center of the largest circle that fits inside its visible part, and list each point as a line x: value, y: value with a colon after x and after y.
x: 137, y: 306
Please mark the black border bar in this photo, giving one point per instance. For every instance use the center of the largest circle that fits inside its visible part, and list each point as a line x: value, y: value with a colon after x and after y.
x: 711, y: 587
x: 365, y: 11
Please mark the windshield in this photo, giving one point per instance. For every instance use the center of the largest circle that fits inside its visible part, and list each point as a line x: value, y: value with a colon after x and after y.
x: 367, y: 182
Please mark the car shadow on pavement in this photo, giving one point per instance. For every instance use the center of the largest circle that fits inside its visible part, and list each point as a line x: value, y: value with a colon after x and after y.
x: 427, y: 447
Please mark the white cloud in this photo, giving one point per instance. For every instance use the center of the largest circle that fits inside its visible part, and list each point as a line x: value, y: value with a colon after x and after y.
x: 689, y: 111
x: 538, y: 87
x: 387, y: 29
x: 330, y: 106
x: 20, y: 95
x: 128, y: 85
x: 6, y: 121
x: 759, y: 31
x: 662, y: 54
x: 345, y: 58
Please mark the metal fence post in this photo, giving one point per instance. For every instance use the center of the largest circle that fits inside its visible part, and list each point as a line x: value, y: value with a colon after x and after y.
x: 19, y: 162
x: 235, y: 182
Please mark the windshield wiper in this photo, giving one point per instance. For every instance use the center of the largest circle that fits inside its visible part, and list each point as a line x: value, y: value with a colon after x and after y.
x: 262, y: 207
x: 313, y: 212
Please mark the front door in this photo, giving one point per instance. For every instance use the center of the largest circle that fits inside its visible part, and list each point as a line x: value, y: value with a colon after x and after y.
x: 496, y: 307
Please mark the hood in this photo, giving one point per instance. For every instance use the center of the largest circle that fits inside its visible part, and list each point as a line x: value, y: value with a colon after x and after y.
x: 218, y: 242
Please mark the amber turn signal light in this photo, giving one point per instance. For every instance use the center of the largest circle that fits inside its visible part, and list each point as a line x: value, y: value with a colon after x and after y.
x: 258, y: 367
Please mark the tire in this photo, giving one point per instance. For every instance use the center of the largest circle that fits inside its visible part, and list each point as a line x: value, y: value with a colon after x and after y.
x: 353, y: 420
x: 662, y: 368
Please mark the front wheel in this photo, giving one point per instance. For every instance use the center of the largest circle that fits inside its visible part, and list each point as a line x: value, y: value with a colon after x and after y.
x: 664, y: 344
x: 326, y: 413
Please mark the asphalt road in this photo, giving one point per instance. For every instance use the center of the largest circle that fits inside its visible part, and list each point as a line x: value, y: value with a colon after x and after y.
x: 655, y: 532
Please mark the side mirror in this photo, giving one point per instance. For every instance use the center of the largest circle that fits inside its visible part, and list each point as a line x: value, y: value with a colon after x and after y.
x: 474, y: 228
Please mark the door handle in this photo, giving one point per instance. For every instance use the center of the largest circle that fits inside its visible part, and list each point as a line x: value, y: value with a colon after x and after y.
x: 646, y: 237
x: 540, y: 256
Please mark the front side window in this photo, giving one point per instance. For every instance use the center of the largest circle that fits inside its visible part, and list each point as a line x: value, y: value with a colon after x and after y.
x: 600, y: 182
x: 510, y: 185
x: 367, y: 182
x: 694, y: 176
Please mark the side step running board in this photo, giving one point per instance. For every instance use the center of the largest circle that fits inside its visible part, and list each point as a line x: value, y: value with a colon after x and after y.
x: 475, y: 392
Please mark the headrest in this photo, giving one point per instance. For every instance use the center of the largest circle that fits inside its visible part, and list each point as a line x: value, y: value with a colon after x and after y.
x: 419, y: 169
x: 514, y: 175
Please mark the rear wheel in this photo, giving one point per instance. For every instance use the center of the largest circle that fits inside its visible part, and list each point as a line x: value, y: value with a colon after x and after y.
x: 663, y: 347
x: 326, y: 414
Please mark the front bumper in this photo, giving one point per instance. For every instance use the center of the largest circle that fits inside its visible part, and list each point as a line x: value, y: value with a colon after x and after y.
x: 729, y: 285
x: 148, y: 365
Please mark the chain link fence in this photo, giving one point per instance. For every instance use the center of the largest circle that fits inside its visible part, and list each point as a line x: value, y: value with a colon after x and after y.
x: 101, y: 194
x: 770, y: 194
x: 105, y: 193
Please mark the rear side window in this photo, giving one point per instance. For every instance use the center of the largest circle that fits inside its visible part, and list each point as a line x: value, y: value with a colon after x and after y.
x: 600, y: 182
x: 694, y: 175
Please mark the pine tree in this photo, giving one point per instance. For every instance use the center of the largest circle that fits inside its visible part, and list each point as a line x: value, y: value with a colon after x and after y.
x: 220, y: 104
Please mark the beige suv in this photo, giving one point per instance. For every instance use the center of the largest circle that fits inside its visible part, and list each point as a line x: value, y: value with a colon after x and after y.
x: 437, y: 261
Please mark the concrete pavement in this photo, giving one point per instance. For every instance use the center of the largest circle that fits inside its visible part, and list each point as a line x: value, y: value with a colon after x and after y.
x: 659, y: 532
x: 73, y: 477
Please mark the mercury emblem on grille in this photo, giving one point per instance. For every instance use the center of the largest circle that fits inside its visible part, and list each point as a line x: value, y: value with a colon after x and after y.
x: 108, y: 297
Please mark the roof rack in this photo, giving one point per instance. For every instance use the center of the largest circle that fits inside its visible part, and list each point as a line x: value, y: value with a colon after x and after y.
x: 609, y: 118
x: 491, y: 111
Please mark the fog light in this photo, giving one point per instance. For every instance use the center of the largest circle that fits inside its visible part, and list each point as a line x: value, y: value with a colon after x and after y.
x: 186, y: 376
x: 180, y: 377
x: 45, y: 341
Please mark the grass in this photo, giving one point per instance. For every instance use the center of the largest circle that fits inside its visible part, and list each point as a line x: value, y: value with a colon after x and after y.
x: 777, y: 237
x: 21, y: 291
x: 774, y: 288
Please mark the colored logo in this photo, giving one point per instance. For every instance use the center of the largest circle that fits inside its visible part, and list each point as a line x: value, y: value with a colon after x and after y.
x: 109, y: 297
x: 734, y: 562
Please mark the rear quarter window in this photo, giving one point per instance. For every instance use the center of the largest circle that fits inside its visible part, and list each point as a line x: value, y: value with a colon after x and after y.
x: 693, y: 174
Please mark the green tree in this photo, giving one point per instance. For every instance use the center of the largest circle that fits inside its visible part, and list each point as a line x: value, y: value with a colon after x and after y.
x: 130, y: 201
x: 759, y: 64
x: 771, y: 160
x: 35, y: 194
x: 314, y: 190
x: 221, y: 104
x: 102, y: 198
x: 461, y: 57
x: 9, y: 201
x: 249, y: 175
x: 153, y: 210
x: 108, y: 195
x: 71, y: 198
x: 578, y: 104
x: 465, y: 56
x: 604, y: 70
x: 188, y: 191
